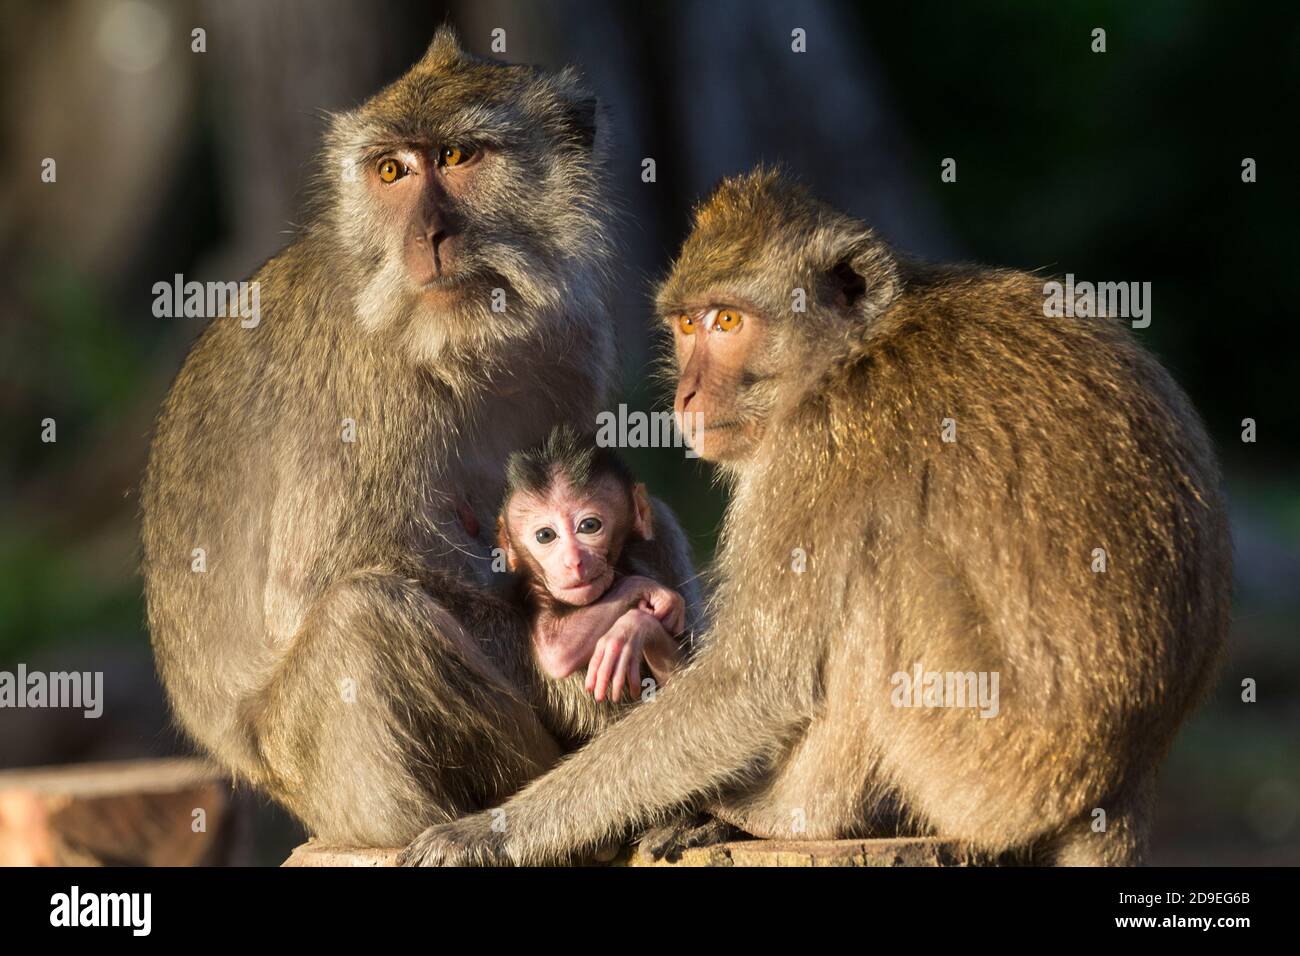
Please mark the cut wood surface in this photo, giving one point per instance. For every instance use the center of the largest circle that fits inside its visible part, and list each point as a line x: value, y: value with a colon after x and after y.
x: 909, y: 851
x: 312, y: 853
x: 919, y: 851
x: 174, y: 812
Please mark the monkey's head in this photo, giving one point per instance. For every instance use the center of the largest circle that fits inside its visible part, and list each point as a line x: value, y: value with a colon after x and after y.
x: 770, y: 287
x: 467, y: 199
x: 570, y: 508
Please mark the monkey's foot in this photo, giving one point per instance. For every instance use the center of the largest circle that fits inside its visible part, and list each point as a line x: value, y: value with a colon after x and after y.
x: 685, y: 833
x: 469, y: 841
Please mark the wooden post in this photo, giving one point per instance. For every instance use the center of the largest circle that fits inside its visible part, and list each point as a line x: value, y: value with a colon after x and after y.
x: 137, y: 813
x: 908, y: 851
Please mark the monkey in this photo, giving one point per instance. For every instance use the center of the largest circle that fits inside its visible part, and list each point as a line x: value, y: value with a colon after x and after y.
x: 315, y: 556
x: 859, y: 542
x: 575, y: 524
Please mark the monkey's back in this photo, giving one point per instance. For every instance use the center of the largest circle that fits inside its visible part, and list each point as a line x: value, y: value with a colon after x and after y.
x: 248, y: 464
x: 1078, y: 521
x: 1073, y: 446
x: 977, y: 555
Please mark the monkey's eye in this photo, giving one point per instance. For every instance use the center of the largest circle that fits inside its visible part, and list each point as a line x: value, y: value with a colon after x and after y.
x: 545, y: 535
x: 728, y: 319
x: 391, y: 170
x: 686, y: 323
x: 454, y: 155
x: 589, y: 526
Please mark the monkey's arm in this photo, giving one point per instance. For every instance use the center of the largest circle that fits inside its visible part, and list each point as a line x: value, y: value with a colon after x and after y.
x: 721, y: 721
x: 667, y: 559
x: 565, y: 643
x: 616, y: 661
x: 497, y: 626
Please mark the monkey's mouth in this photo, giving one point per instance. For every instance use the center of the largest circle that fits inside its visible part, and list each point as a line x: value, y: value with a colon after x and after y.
x: 583, y: 592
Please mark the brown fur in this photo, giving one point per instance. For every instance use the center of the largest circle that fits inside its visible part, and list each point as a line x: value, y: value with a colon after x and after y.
x: 970, y: 556
x: 333, y: 562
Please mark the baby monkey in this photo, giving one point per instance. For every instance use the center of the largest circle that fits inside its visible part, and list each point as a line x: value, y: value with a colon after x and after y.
x: 577, y: 528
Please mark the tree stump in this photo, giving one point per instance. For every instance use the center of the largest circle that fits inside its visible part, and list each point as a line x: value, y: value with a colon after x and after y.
x: 134, y: 813
x: 894, y: 851
x: 908, y: 851
x: 313, y: 853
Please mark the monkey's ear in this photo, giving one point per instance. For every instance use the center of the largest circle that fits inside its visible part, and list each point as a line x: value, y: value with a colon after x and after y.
x: 845, y: 288
x: 445, y: 47
x: 863, y: 278
x: 642, y: 514
x: 503, y: 542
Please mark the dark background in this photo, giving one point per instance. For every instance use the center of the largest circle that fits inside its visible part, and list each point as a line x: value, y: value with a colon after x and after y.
x: 1122, y: 166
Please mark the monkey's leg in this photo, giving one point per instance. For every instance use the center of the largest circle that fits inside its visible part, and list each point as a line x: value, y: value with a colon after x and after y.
x: 385, y: 717
x: 684, y: 749
x: 1123, y: 842
x: 828, y: 785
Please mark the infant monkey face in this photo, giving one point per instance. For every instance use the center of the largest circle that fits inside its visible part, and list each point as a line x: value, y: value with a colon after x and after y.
x: 571, y: 538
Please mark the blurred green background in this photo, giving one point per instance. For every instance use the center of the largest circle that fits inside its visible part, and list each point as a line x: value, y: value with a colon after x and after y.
x: 1122, y: 166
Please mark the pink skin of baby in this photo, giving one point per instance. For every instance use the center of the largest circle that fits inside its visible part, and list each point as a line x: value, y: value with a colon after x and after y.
x: 569, y: 544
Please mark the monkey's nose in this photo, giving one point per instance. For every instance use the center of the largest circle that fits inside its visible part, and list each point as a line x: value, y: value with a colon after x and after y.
x: 437, y: 249
x: 686, y: 402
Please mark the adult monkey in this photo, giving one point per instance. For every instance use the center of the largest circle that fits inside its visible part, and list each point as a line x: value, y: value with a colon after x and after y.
x: 318, y: 504
x: 975, y: 555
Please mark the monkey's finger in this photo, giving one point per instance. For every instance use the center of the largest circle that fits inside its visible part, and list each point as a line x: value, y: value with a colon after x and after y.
x: 678, y: 622
x: 603, y: 675
x: 630, y: 650
x: 600, y: 672
x: 593, y: 675
x: 634, y: 684
x: 593, y: 665
x: 604, y: 682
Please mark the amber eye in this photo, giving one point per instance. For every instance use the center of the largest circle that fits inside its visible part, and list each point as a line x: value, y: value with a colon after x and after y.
x: 545, y: 536
x: 391, y: 170
x: 589, y: 526
x: 728, y: 319
x: 686, y: 323
x: 454, y: 155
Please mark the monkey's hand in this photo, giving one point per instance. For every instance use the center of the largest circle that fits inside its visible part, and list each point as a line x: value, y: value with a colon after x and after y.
x: 564, y: 643
x: 668, y: 607
x: 691, y: 830
x: 636, y: 591
x: 469, y: 841
x: 616, y: 661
